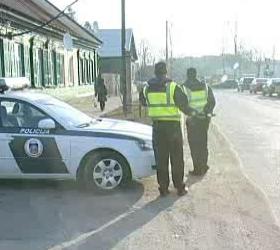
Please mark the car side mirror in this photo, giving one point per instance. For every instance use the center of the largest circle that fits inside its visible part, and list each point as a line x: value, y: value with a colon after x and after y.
x: 46, y: 124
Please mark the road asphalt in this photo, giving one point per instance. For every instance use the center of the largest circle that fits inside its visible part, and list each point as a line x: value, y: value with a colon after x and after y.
x: 251, y: 123
x: 229, y: 208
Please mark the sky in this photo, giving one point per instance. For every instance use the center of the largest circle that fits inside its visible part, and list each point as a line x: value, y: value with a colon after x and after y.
x: 197, y: 27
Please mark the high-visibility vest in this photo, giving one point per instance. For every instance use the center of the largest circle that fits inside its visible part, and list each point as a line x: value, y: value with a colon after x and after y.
x: 161, y: 105
x: 197, y: 98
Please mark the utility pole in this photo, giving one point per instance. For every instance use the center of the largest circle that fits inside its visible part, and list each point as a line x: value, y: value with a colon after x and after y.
x: 171, y: 53
x: 223, y: 54
x: 123, y: 77
x: 235, y: 38
x: 273, y: 58
x: 166, y: 43
x: 235, y: 46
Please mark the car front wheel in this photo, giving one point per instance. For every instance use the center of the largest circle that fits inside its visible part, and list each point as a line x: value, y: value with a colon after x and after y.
x: 106, y: 170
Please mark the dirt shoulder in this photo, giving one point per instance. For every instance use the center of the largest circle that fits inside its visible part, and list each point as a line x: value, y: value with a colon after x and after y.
x: 223, y: 210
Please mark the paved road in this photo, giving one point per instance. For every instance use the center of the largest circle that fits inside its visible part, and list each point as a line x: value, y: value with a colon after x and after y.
x: 252, y: 124
x: 223, y: 210
x: 37, y: 215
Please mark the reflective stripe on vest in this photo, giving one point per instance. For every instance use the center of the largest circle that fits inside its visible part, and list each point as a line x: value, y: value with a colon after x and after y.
x: 197, y: 99
x: 161, y: 105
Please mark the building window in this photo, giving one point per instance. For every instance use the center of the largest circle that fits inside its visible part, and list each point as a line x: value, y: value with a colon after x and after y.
x: 60, y: 68
x: 92, y: 71
x: 12, y: 59
x: 53, y: 67
x: 37, y: 67
x: 87, y: 71
x: 2, y: 65
x: 46, y: 69
x: 26, y: 59
x: 71, y: 70
x: 82, y: 71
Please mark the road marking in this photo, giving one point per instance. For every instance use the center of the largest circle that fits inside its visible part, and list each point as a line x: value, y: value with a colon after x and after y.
x: 89, y: 234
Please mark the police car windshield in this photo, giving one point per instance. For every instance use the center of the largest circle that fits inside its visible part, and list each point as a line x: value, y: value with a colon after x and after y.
x: 68, y: 114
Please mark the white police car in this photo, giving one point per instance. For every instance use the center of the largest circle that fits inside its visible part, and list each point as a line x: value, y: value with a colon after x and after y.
x: 44, y: 138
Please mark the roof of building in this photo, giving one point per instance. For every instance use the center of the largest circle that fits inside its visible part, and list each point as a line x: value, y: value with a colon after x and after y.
x: 111, y: 39
x: 38, y: 12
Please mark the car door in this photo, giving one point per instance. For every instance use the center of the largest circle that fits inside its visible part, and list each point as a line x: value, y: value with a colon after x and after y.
x: 29, y: 149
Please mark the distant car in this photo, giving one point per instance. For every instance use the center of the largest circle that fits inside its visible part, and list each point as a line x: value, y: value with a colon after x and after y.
x: 272, y: 87
x: 44, y: 138
x: 244, y: 83
x: 228, y: 84
x: 257, y: 85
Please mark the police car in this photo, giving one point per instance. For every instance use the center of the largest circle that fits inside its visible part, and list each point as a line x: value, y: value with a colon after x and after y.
x: 44, y: 138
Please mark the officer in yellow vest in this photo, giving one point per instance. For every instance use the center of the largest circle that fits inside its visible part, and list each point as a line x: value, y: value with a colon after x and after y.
x: 202, y: 100
x: 165, y: 99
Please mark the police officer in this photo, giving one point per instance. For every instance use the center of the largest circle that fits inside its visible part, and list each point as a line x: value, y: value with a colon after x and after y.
x: 202, y: 101
x: 165, y: 99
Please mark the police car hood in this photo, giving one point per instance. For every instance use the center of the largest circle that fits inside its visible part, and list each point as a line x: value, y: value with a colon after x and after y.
x: 121, y: 127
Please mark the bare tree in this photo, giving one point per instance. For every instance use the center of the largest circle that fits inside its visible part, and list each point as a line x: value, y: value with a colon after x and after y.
x: 146, y: 58
x: 92, y: 27
x: 145, y: 54
x: 71, y: 13
x: 87, y: 25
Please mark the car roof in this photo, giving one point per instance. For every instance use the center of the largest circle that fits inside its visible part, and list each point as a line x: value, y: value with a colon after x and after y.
x: 28, y: 95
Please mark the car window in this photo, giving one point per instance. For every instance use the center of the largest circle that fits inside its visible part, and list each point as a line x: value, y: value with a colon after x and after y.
x: 20, y: 114
x: 67, y: 113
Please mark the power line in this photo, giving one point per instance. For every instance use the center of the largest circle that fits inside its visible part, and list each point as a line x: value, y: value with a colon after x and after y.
x: 45, y: 24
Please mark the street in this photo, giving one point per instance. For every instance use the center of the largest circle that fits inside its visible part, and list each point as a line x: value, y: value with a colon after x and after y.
x: 92, y: 99
x: 234, y: 206
x: 39, y: 214
x: 251, y: 123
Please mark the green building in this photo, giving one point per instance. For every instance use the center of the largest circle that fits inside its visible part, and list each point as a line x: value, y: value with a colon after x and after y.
x: 30, y: 48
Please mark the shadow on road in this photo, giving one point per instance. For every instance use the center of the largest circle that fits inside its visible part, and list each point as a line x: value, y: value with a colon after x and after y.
x: 45, y: 213
x: 110, y: 237
x: 192, y: 180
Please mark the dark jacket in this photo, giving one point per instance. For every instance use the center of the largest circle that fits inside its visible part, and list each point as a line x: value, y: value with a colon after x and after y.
x: 101, y: 90
x: 194, y: 85
x: 159, y: 85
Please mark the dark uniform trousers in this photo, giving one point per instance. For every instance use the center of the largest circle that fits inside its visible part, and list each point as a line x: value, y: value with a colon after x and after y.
x: 168, y: 144
x: 197, y: 130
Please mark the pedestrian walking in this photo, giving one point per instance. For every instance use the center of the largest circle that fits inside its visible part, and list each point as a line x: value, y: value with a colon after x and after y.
x: 165, y: 99
x: 202, y: 101
x: 101, y: 92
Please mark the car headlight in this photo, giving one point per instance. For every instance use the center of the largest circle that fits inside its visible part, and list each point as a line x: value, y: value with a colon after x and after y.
x: 145, y: 145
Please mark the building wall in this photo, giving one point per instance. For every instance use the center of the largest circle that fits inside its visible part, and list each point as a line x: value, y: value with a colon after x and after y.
x: 112, y: 83
x: 113, y: 66
x: 46, y: 63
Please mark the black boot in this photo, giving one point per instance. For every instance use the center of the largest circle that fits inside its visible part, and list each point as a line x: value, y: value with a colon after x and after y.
x: 204, y: 169
x: 163, y: 192
x: 182, y: 191
x: 195, y: 172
